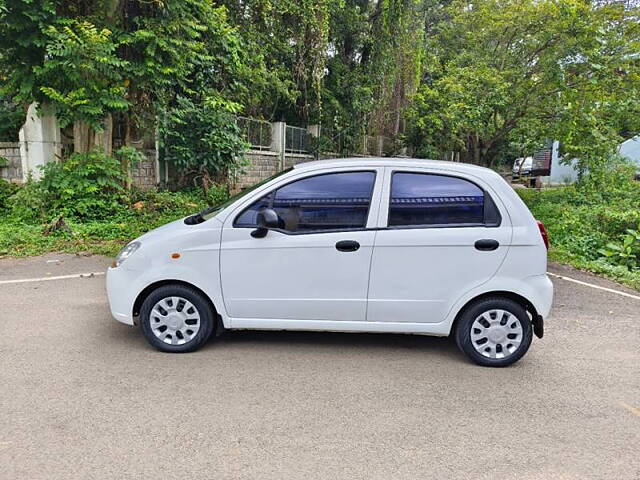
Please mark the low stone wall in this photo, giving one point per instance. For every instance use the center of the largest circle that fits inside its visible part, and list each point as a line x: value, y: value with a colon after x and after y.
x: 12, y: 171
x: 291, y: 159
x: 260, y: 165
x: 143, y: 175
x: 263, y: 164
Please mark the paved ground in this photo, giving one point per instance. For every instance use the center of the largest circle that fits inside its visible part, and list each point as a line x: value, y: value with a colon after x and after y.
x: 82, y: 396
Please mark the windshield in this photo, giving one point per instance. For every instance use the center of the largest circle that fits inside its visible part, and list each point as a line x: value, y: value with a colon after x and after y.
x: 212, y: 211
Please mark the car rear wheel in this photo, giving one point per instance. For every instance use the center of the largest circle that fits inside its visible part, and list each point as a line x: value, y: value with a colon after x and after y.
x: 494, y: 332
x: 176, y: 318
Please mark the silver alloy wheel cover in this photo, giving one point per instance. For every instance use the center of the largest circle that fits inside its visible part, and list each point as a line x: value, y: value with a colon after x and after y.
x: 496, y: 333
x: 174, y: 320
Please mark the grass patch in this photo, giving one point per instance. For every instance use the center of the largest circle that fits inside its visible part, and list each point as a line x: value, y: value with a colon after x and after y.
x: 102, y: 237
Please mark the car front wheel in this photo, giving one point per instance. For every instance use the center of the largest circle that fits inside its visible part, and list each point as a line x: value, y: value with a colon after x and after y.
x: 494, y: 332
x: 176, y: 318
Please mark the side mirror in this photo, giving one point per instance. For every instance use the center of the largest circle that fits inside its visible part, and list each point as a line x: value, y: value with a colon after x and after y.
x: 265, y: 219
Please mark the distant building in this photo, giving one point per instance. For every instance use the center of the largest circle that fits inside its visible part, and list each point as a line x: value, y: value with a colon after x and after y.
x: 561, y: 173
x: 631, y: 149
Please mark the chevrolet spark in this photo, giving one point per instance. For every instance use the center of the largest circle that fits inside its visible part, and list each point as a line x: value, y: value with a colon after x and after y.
x: 349, y: 245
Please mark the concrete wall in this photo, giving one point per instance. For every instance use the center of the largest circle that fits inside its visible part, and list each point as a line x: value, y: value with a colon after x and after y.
x: 13, y: 170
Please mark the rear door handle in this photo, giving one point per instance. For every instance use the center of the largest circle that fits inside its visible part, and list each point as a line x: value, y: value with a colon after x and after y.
x: 486, y: 244
x: 347, y: 246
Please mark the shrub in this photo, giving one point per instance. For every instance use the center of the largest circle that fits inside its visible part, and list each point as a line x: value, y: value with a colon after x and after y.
x: 28, y: 204
x: 201, y: 138
x: 86, y: 186
x: 7, y: 189
x: 626, y: 252
x: 216, y: 194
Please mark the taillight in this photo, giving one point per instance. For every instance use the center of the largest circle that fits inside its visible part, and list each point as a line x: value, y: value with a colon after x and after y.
x: 543, y: 233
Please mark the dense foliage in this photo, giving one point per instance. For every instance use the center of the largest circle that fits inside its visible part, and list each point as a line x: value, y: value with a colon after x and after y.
x: 11, y: 119
x: 593, y: 229
x: 138, y: 213
x: 126, y: 67
x: 202, y: 140
x: 482, y: 82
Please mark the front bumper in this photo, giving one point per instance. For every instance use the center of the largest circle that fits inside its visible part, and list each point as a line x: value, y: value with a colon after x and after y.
x: 121, y: 293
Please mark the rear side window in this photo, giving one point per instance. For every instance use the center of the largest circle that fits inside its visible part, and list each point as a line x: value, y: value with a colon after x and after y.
x: 427, y: 199
x: 335, y: 201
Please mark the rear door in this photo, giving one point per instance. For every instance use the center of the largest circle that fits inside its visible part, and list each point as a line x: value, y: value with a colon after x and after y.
x: 440, y: 236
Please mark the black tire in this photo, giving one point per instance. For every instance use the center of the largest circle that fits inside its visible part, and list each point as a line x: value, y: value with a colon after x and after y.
x: 199, y: 301
x: 473, y: 311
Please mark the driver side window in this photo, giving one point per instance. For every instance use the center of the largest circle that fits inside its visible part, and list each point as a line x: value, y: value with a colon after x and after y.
x: 334, y: 201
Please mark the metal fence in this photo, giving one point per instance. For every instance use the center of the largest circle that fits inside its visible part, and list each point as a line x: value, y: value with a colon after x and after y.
x: 257, y: 132
x: 371, y: 145
x: 296, y: 140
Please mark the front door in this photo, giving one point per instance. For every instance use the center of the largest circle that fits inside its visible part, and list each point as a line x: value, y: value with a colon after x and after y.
x: 316, y: 265
x: 442, y: 236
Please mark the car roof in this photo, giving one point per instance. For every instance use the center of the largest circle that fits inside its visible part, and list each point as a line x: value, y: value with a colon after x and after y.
x: 392, y: 162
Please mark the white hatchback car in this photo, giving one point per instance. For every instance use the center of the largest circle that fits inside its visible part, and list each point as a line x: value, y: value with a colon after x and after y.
x: 350, y: 245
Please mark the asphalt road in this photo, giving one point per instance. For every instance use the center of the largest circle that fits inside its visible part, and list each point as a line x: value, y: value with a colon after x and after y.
x: 84, y: 397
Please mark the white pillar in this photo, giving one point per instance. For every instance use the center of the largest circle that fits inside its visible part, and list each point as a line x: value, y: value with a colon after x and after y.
x: 278, y: 139
x: 40, y: 141
x: 314, y: 130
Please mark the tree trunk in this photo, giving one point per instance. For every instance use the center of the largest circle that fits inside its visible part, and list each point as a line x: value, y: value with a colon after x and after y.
x: 476, y: 149
x: 104, y: 139
x: 83, y: 137
x: 111, y: 8
x: 126, y: 168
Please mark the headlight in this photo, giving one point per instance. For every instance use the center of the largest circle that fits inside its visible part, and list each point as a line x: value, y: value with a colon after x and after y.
x: 125, y: 253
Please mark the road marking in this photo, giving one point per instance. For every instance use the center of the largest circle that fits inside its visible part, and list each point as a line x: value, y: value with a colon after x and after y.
x: 610, y: 290
x: 634, y: 410
x: 59, y: 277
x: 97, y: 274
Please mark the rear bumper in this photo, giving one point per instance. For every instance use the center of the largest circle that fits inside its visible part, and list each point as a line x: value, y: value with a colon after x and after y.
x: 541, y: 295
x: 542, y: 300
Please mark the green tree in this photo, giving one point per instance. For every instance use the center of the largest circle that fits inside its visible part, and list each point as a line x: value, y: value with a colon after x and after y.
x: 123, y: 62
x: 82, y: 75
x: 505, y: 71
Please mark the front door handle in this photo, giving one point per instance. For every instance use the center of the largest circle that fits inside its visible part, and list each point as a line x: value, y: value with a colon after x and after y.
x: 347, y: 246
x: 486, y: 244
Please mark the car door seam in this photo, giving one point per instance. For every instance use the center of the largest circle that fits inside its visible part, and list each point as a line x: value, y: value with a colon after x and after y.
x: 366, y: 303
